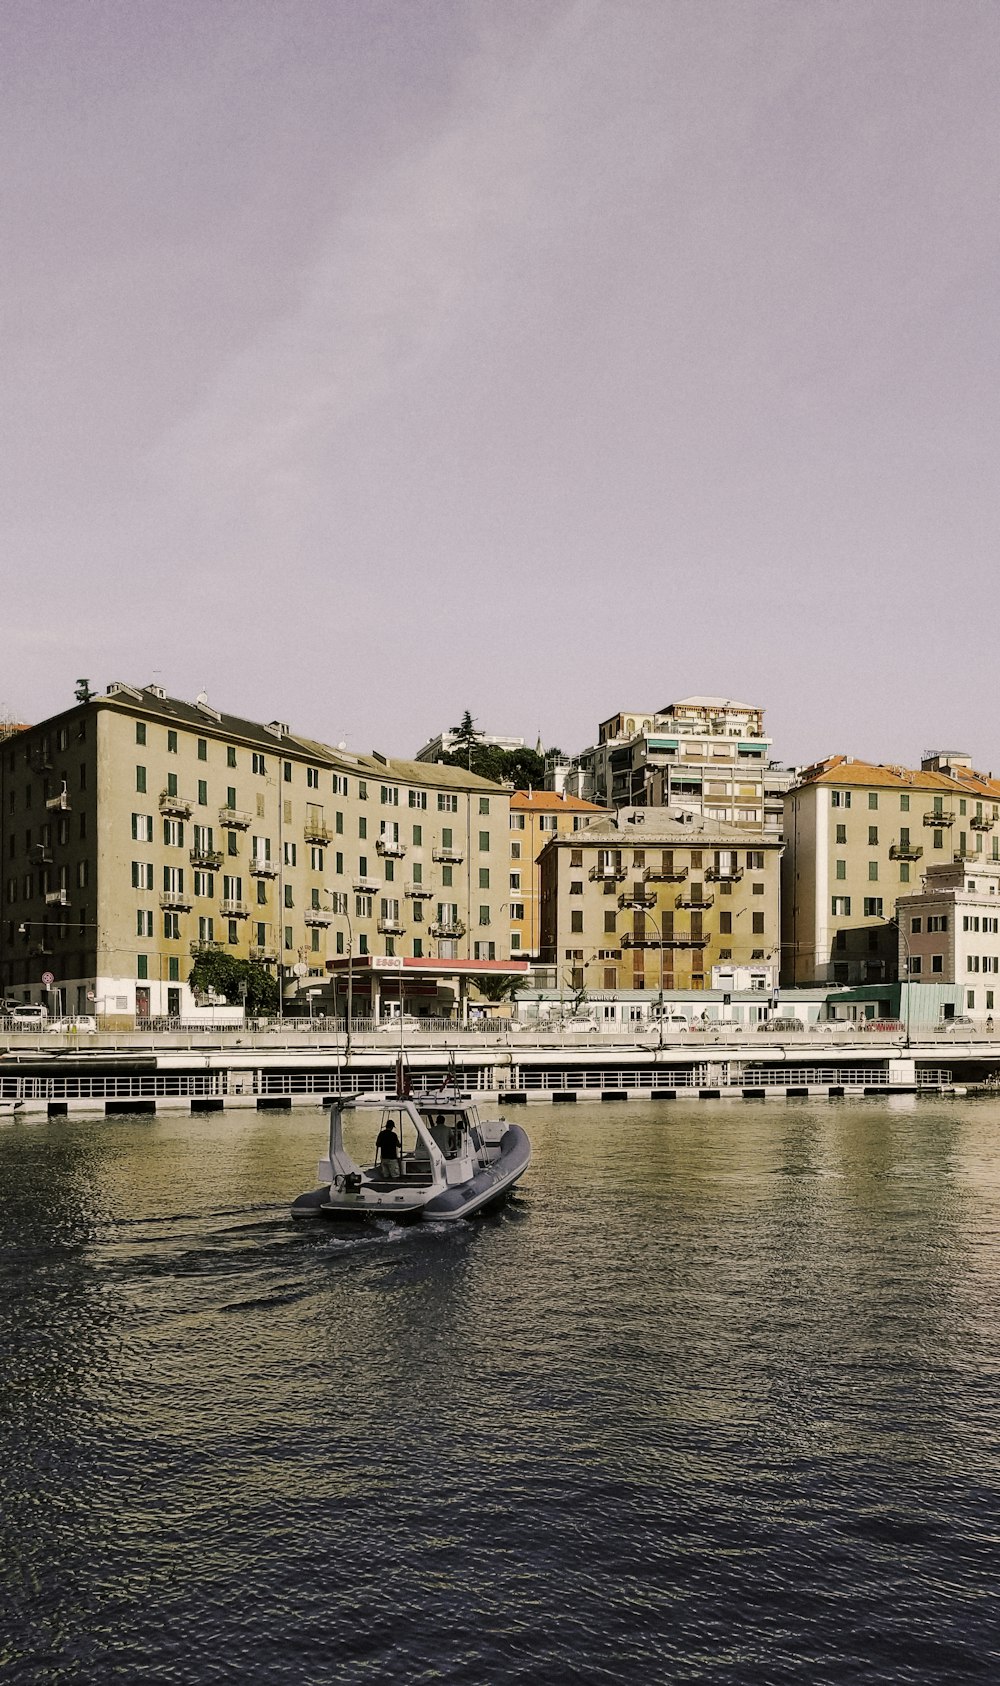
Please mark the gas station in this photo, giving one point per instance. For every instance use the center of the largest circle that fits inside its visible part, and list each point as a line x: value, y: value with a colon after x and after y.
x: 387, y: 985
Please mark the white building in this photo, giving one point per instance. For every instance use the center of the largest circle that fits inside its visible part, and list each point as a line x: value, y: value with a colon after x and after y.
x: 949, y: 932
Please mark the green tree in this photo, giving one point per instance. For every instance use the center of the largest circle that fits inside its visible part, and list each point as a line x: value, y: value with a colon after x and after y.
x: 236, y: 981
x: 466, y: 741
x: 501, y: 988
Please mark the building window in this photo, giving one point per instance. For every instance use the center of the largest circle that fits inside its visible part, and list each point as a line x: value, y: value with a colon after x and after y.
x: 840, y: 869
x: 140, y: 780
x: 758, y: 923
x: 904, y: 802
x: 417, y: 798
x: 484, y: 913
x: 447, y: 804
x: 904, y: 872
x: 202, y: 793
x: 484, y: 804
x: 873, y: 799
x: 258, y: 764
x: 840, y: 798
x: 312, y: 778
x: 140, y: 731
x: 872, y: 872
x: 841, y: 907
x: 517, y: 822
x: 576, y: 919
x: 515, y: 880
x: 517, y: 910
x: 841, y: 834
x: 872, y: 835
x: 171, y: 743
x: 873, y: 907
x: 937, y: 964
x: 484, y: 842
x: 939, y: 839
x: 142, y: 967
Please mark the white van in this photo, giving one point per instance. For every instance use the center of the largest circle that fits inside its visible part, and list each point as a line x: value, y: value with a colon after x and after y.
x: 29, y: 1014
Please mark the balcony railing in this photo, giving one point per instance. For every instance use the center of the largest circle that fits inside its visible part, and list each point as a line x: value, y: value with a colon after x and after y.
x: 693, y: 901
x: 723, y: 874
x: 664, y: 875
x: 262, y: 867
x: 204, y: 945
x: 314, y: 831
x: 447, y: 928
x: 905, y: 851
x: 56, y: 898
x: 175, y: 900
x: 318, y: 916
x: 419, y: 892
x: 237, y: 817
x: 61, y: 801
x: 945, y: 818
x: 366, y: 886
x: 233, y: 909
x: 979, y: 822
x: 632, y: 939
x: 181, y: 807
x: 210, y: 859
x: 266, y: 953
x: 391, y: 927
x: 390, y: 846
x: 454, y: 856
x: 608, y: 871
x: 636, y: 898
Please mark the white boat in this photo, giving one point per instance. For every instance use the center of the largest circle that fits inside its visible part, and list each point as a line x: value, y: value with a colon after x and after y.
x: 449, y: 1163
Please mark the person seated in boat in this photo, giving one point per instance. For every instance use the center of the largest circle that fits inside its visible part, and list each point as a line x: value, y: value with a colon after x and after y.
x: 387, y: 1149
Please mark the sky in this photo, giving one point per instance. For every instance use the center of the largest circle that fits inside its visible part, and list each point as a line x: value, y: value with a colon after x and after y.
x: 367, y: 361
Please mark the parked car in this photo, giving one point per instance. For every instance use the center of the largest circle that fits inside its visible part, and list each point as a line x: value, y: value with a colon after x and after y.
x: 83, y: 1025
x: 783, y: 1026
x: 961, y: 1022
x: 28, y: 1014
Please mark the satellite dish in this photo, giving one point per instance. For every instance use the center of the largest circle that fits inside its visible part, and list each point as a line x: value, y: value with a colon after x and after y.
x: 342, y: 745
x: 202, y: 697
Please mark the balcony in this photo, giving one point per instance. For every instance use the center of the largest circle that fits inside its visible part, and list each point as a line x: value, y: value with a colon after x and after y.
x: 314, y: 831
x: 691, y: 901
x: 632, y: 939
x: 968, y: 857
x: 723, y: 874
x: 60, y: 802
x: 945, y: 818
x: 56, y: 898
x: 265, y: 955
x: 905, y: 851
x: 318, y: 916
x: 979, y: 822
x: 40, y: 761
x: 202, y: 947
x: 232, y: 909
x: 178, y: 807
x: 389, y: 846
x: 210, y: 859
x: 262, y: 867
x: 607, y: 873
x: 454, y: 857
x: 636, y: 898
x: 366, y: 886
x: 660, y: 875
x: 419, y: 892
x: 391, y: 927
x: 177, y: 901
x: 235, y: 817
x: 447, y: 928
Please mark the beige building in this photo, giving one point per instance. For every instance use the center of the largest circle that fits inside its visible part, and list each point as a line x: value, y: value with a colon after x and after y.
x: 140, y: 831
x: 949, y: 932
x: 860, y: 835
x: 704, y: 755
x: 648, y: 897
x: 536, y: 816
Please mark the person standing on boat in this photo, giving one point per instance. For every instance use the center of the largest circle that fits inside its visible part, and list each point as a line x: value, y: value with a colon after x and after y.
x: 387, y: 1149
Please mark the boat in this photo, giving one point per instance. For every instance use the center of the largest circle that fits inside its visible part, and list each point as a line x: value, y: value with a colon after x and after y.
x: 448, y: 1164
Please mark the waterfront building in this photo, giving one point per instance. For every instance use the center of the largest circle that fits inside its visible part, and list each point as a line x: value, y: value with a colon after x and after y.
x: 650, y: 897
x: 536, y: 816
x: 702, y: 755
x: 858, y: 836
x: 949, y: 932
x: 140, y: 831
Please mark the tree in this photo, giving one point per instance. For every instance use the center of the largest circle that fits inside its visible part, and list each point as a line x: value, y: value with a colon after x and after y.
x: 466, y: 741
x: 237, y: 981
x: 501, y: 988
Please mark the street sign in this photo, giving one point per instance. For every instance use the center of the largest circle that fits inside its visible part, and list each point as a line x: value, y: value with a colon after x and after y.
x: 300, y: 969
x: 48, y: 980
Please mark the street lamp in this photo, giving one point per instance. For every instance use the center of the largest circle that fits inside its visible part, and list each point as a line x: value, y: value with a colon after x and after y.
x: 350, y: 969
x: 895, y: 923
x: 657, y: 925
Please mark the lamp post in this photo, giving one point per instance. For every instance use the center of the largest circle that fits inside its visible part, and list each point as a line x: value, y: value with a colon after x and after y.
x: 906, y: 955
x: 350, y: 972
x: 657, y: 925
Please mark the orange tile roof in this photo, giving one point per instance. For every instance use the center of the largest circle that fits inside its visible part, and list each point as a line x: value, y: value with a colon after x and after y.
x: 549, y: 802
x: 846, y: 770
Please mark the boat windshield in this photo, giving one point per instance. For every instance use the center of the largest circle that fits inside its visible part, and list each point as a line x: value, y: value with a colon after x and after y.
x: 448, y: 1126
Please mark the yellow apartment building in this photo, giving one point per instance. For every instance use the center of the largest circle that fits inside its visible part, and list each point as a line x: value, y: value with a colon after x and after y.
x: 536, y: 816
x: 858, y: 835
x: 140, y: 831
x: 646, y: 898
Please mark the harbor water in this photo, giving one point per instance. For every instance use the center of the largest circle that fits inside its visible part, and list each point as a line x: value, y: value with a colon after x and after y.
x: 715, y: 1399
